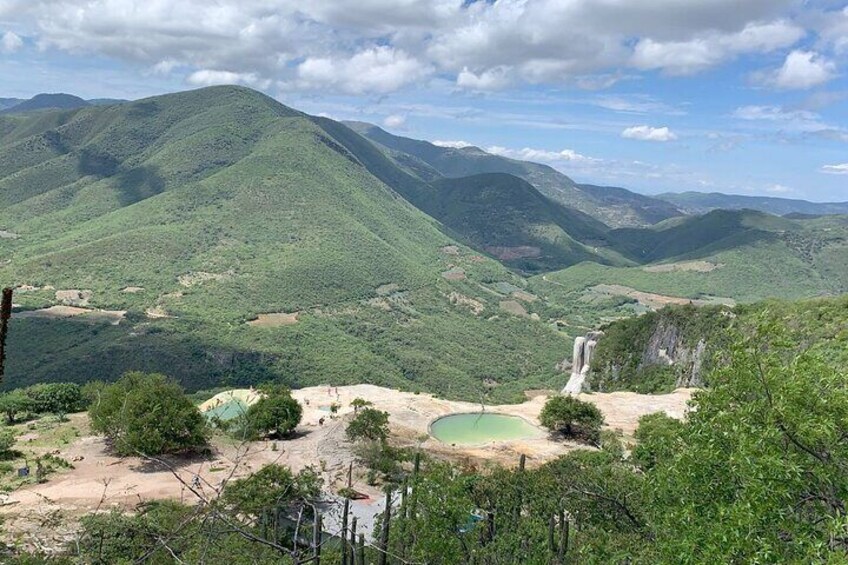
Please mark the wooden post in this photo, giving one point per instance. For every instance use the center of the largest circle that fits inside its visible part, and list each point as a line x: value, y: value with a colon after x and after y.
x: 403, y: 508
x: 344, y: 530
x: 563, y: 537
x: 350, y: 475
x: 551, y: 542
x: 316, y: 539
x: 384, y: 535
x: 361, y: 552
x: 519, y: 477
x: 417, y: 465
x: 5, y: 314
x: 353, y: 541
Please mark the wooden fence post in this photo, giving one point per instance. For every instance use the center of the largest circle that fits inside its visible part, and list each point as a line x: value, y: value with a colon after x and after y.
x: 316, y: 539
x: 352, y: 545
x: 344, y: 530
x: 361, y: 552
x: 384, y: 535
x: 5, y: 314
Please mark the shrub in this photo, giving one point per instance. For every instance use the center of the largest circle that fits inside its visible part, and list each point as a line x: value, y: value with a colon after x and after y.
x: 57, y: 398
x: 275, y: 415
x: 573, y: 418
x: 271, y: 487
x: 149, y: 414
x: 14, y: 403
x: 658, y: 437
x: 7, y: 440
x: 369, y: 424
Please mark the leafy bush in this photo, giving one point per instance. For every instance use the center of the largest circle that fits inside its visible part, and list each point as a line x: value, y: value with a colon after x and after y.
x: 7, y: 440
x: 271, y: 487
x: 149, y: 414
x: 14, y: 403
x: 369, y: 424
x: 573, y: 418
x: 57, y: 398
x: 275, y: 415
x: 658, y: 437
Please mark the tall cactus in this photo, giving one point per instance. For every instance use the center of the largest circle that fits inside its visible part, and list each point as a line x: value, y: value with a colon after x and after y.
x: 5, y: 314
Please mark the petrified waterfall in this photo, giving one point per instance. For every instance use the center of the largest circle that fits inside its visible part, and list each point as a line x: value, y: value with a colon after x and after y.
x: 584, y: 349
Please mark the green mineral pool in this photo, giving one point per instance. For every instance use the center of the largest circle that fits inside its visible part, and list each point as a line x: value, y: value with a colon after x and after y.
x: 480, y: 428
x: 228, y: 410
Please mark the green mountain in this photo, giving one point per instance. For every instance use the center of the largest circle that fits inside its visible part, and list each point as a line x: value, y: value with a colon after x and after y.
x: 496, y: 213
x: 9, y: 102
x: 511, y: 220
x: 724, y: 256
x: 615, y: 207
x: 699, y: 203
x: 198, y: 212
x: 46, y: 102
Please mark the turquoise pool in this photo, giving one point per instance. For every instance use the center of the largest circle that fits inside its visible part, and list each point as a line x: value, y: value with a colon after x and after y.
x: 479, y: 428
x: 228, y: 410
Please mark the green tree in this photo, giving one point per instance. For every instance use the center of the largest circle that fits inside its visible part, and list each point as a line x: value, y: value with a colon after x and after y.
x: 572, y: 417
x: 760, y: 473
x: 369, y: 424
x: 358, y: 403
x: 658, y: 437
x: 275, y: 415
x: 271, y: 487
x: 57, y: 398
x: 14, y: 403
x: 7, y: 441
x: 148, y: 414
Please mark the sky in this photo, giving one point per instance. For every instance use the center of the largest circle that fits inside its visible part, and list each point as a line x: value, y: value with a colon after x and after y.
x: 736, y: 96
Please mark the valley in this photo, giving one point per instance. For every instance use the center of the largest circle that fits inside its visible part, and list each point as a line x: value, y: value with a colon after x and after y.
x: 234, y: 319
x: 220, y: 206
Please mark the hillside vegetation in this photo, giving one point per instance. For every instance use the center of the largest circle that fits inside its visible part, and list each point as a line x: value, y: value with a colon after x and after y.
x: 680, y: 345
x: 699, y: 203
x: 231, y: 239
x: 197, y: 212
x: 613, y: 206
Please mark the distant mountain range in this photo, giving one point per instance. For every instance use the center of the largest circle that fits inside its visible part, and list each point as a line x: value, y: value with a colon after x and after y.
x: 50, y: 102
x: 384, y: 259
x: 701, y: 202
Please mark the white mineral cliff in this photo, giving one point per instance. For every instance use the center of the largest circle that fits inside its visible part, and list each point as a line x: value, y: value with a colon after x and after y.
x: 584, y: 349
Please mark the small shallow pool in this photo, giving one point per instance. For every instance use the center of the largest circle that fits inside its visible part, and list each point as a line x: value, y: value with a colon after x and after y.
x: 480, y: 428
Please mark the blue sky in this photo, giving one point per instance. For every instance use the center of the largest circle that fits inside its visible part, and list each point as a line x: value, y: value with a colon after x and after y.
x: 657, y: 95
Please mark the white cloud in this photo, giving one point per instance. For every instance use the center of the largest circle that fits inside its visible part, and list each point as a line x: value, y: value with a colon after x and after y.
x: 10, y: 42
x: 378, y: 70
x: 779, y: 189
x: 648, y: 133
x: 394, y: 121
x: 772, y: 113
x: 841, y: 169
x: 801, y: 70
x: 542, y: 155
x: 452, y: 144
x: 701, y: 52
x: 492, y: 79
x: 384, y: 45
x: 209, y: 77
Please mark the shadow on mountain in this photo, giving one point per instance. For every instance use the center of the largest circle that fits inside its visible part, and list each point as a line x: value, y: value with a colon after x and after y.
x: 138, y: 184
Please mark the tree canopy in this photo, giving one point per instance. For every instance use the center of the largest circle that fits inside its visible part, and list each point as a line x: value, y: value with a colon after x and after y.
x: 147, y: 414
x: 572, y: 417
x: 276, y: 414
